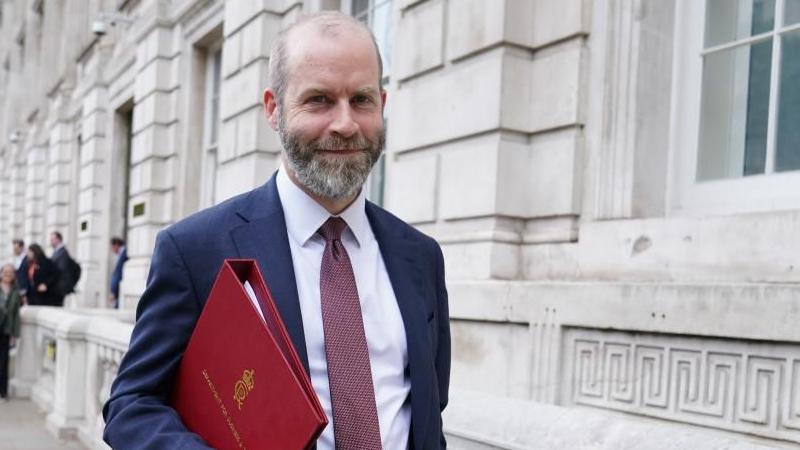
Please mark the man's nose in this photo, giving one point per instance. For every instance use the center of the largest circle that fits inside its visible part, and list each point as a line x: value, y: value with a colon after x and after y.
x: 344, y: 123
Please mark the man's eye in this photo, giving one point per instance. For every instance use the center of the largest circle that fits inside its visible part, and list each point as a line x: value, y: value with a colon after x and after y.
x: 317, y: 99
x: 362, y: 100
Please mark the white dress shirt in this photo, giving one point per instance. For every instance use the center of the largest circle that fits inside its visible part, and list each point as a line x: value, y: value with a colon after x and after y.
x: 383, y: 324
x: 18, y: 260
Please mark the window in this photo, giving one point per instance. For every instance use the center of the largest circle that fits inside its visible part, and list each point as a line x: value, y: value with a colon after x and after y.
x: 377, y: 15
x: 745, y: 48
x: 736, y: 139
x: 211, y: 129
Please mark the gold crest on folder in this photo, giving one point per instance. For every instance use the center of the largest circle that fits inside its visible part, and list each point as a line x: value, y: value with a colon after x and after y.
x: 243, y: 387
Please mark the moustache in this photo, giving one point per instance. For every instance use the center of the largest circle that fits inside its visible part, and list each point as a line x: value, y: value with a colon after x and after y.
x: 333, y: 144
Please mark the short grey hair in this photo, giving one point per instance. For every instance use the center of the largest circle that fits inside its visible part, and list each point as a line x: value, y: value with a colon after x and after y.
x: 328, y: 22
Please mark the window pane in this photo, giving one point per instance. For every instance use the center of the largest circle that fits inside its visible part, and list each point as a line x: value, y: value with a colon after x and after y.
x: 359, y: 7
x: 791, y: 12
x: 734, y: 112
x: 787, y: 155
x: 216, y: 69
x: 731, y: 20
x: 381, y: 27
x: 375, y: 193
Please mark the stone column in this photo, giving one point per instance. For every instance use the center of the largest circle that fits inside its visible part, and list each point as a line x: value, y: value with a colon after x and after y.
x: 69, y: 392
x: 485, y: 147
x: 60, y: 179
x: 5, y: 206
x: 18, y: 171
x: 248, y: 149
x: 485, y: 129
x: 34, y: 205
x: 93, y: 197
x: 153, y: 156
x: 28, y: 359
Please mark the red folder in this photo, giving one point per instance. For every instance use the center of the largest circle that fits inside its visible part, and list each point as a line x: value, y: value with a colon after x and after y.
x: 240, y: 383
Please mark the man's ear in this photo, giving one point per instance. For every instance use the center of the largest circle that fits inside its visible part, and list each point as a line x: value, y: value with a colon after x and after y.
x: 383, y: 98
x: 271, y: 108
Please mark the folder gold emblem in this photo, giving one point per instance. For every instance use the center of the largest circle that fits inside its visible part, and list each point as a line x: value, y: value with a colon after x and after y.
x: 243, y: 387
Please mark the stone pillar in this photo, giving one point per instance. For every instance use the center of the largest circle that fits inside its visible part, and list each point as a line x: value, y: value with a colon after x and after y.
x: 60, y: 179
x: 154, y: 153
x: 18, y: 171
x: 28, y: 359
x: 93, y: 197
x: 6, y: 163
x: 69, y: 392
x: 629, y: 102
x: 34, y: 206
x: 485, y: 129
x: 248, y: 149
x: 485, y: 147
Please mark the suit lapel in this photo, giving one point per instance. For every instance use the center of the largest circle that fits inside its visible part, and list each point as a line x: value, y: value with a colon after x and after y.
x: 405, y: 273
x: 263, y: 237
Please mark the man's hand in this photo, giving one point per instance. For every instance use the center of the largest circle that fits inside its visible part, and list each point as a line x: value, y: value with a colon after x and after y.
x: 41, y: 288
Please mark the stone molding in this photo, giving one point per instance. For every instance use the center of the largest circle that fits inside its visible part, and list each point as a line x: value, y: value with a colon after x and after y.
x: 740, y: 385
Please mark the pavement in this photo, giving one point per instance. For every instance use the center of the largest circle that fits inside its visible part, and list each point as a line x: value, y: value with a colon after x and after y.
x: 22, y: 427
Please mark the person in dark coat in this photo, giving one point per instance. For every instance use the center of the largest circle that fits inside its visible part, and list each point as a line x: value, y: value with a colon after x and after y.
x: 43, y: 278
x: 21, y: 266
x: 10, y: 302
x: 62, y: 260
x: 119, y: 249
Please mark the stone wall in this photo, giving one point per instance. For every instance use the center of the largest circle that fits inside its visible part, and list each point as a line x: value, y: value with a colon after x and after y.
x: 534, y: 139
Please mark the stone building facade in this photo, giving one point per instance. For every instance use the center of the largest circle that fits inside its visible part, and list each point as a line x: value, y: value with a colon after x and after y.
x: 615, y: 184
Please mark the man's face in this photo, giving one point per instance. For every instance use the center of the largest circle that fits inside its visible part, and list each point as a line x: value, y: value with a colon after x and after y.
x: 331, y: 119
x: 54, y: 241
x: 115, y: 248
x: 17, y: 249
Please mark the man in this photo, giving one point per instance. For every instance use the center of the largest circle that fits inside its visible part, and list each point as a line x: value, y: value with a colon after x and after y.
x: 21, y: 267
x: 63, y: 261
x: 119, y: 249
x: 309, y: 221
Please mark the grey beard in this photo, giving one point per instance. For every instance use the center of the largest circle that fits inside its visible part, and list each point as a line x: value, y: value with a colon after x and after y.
x: 334, y: 178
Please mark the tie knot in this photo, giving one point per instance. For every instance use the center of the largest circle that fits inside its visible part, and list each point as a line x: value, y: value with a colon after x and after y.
x: 332, y: 229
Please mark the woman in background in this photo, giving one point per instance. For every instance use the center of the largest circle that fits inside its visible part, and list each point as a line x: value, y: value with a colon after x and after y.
x: 9, y: 322
x: 42, y: 278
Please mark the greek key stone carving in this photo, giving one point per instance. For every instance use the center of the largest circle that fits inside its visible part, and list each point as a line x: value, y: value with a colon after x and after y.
x: 751, y: 387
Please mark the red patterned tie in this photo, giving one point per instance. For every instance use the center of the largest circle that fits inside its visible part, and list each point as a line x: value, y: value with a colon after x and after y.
x: 355, y: 419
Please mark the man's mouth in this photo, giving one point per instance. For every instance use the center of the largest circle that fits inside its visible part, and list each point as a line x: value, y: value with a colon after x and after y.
x: 344, y: 151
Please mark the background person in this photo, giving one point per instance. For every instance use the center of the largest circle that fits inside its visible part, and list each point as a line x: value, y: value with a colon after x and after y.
x: 43, y: 278
x: 68, y: 277
x: 21, y: 267
x: 119, y: 249
x: 10, y: 303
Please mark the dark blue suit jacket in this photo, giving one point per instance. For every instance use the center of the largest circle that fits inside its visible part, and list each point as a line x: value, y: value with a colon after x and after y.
x: 116, y: 275
x: 22, y: 276
x: 185, y: 262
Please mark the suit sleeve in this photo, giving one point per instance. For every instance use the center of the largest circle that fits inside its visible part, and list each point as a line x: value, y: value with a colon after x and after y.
x: 116, y: 277
x: 50, y: 275
x: 22, y: 277
x: 442, y: 361
x: 137, y: 414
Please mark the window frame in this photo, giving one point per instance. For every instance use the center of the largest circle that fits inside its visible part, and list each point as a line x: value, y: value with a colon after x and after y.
x: 753, y: 193
x: 376, y: 181
x: 210, y: 150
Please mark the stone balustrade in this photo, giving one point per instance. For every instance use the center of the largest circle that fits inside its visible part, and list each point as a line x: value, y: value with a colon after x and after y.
x: 65, y: 362
x: 67, y: 359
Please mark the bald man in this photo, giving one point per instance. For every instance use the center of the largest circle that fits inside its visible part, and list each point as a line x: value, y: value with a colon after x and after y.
x: 362, y: 293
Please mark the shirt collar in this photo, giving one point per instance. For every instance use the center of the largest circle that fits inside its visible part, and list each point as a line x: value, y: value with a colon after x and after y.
x: 304, y: 216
